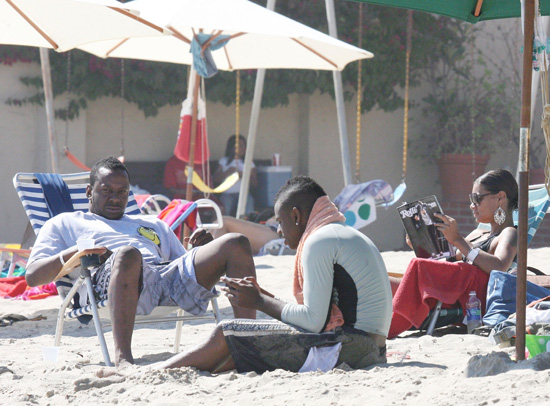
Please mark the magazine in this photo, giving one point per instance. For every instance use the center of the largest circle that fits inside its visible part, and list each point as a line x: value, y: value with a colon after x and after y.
x: 419, y: 222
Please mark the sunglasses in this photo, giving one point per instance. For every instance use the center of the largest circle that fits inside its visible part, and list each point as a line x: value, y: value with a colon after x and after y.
x: 476, y: 198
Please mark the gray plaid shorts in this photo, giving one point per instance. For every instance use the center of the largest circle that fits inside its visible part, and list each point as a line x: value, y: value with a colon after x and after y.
x: 170, y: 284
x: 266, y: 345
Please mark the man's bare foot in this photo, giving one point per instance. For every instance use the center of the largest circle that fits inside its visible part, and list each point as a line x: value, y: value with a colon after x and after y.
x: 124, y: 368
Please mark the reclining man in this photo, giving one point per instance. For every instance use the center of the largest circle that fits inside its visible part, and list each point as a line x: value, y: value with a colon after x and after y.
x: 144, y: 265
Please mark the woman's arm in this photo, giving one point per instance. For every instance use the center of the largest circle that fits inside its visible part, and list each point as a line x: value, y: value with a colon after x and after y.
x: 221, y: 174
x: 505, y: 249
x: 253, y: 178
x: 499, y: 259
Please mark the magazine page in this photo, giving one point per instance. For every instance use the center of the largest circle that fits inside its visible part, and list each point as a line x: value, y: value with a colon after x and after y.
x: 419, y: 222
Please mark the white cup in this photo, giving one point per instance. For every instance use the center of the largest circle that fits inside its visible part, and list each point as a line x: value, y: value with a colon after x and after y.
x: 85, y: 243
x: 50, y: 354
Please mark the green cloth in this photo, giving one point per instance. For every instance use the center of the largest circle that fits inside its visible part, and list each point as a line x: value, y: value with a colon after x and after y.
x: 463, y: 9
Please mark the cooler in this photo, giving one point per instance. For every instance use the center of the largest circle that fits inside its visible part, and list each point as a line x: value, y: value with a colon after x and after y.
x: 270, y: 180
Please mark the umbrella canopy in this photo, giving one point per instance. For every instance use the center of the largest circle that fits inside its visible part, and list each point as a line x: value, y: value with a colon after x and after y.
x: 465, y: 10
x: 257, y: 37
x: 65, y: 24
x: 242, y: 34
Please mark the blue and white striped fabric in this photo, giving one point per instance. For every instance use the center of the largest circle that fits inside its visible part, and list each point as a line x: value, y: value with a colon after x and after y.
x: 33, y: 199
x: 538, y: 206
x: 84, y: 311
x: 32, y: 196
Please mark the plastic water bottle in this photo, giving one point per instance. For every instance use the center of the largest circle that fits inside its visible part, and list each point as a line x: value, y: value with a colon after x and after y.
x: 473, y: 312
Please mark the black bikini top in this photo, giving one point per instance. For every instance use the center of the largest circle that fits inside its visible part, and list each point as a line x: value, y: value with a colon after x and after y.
x: 485, y: 244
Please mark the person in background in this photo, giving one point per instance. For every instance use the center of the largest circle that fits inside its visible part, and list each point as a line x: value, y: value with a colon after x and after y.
x: 175, y: 179
x: 231, y: 163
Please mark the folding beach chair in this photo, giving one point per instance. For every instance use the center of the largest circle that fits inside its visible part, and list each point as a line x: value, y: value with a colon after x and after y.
x: 539, y: 202
x: 152, y: 204
x: 40, y: 203
x: 11, y: 257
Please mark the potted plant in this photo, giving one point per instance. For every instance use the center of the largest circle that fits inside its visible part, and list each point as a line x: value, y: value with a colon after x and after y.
x: 468, y: 112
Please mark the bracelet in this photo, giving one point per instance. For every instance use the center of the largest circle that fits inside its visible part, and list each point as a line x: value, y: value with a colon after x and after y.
x: 471, y: 256
x: 61, y: 259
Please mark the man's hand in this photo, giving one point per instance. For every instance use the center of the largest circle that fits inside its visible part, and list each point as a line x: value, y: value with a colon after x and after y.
x: 242, y: 292
x: 199, y: 237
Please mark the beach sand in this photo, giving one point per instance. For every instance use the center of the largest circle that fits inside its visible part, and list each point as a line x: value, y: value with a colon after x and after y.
x: 420, y: 369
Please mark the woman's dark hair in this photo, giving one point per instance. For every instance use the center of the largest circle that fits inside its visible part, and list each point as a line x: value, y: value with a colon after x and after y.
x: 501, y: 180
x: 111, y: 163
x: 301, y: 192
x: 230, y: 146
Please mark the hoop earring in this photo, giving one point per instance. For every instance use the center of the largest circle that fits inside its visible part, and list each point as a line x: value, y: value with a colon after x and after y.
x: 500, y: 216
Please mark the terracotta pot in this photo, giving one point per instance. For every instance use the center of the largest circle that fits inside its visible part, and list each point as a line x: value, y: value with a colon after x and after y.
x: 457, y: 173
x: 536, y: 176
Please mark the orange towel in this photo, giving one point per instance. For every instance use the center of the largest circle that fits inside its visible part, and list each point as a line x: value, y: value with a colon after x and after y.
x: 323, y: 212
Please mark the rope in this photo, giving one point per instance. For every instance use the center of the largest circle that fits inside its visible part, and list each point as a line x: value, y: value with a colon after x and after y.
x: 407, y: 77
x: 472, y: 112
x: 237, y: 113
x: 359, y: 97
x: 545, y: 122
x: 205, y: 168
x: 76, y: 162
x: 122, y: 79
x: 68, y: 100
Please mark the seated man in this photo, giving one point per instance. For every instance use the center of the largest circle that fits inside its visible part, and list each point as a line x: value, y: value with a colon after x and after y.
x: 341, y: 287
x: 143, y: 263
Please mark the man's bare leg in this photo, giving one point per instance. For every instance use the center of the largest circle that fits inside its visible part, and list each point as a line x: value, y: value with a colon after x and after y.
x: 257, y: 234
x: 229, y: 255
x: 212, y: 355
x: 123, y: 298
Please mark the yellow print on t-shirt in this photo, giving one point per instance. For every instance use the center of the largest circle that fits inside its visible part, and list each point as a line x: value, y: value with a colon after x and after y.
x: 150, y: 234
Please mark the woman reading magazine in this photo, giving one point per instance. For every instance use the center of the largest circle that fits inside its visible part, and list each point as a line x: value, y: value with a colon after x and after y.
x: 493, y: 199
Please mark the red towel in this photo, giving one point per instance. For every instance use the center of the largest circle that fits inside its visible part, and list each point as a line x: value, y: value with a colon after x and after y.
x: 38, y: 292
x: 425, y: 282
x: 11, y: 287
x: 174, y: 210
x: 322, y: 213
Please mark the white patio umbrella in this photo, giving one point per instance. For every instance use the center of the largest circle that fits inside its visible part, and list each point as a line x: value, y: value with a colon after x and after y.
x: 63, y: 25
x: 258, y: 38
x: 253, y: 37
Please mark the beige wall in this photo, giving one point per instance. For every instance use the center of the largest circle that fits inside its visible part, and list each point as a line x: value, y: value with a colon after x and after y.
x: 305, y: 133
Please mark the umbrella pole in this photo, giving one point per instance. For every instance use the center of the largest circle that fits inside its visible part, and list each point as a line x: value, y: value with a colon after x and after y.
x: 192, y: 141
x: 252, y: 133
x: 524, y: 140
x: 48, y: 100
x: 339, y: 96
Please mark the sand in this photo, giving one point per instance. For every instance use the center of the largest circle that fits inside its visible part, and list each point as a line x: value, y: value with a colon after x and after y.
x: 420, y: 369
